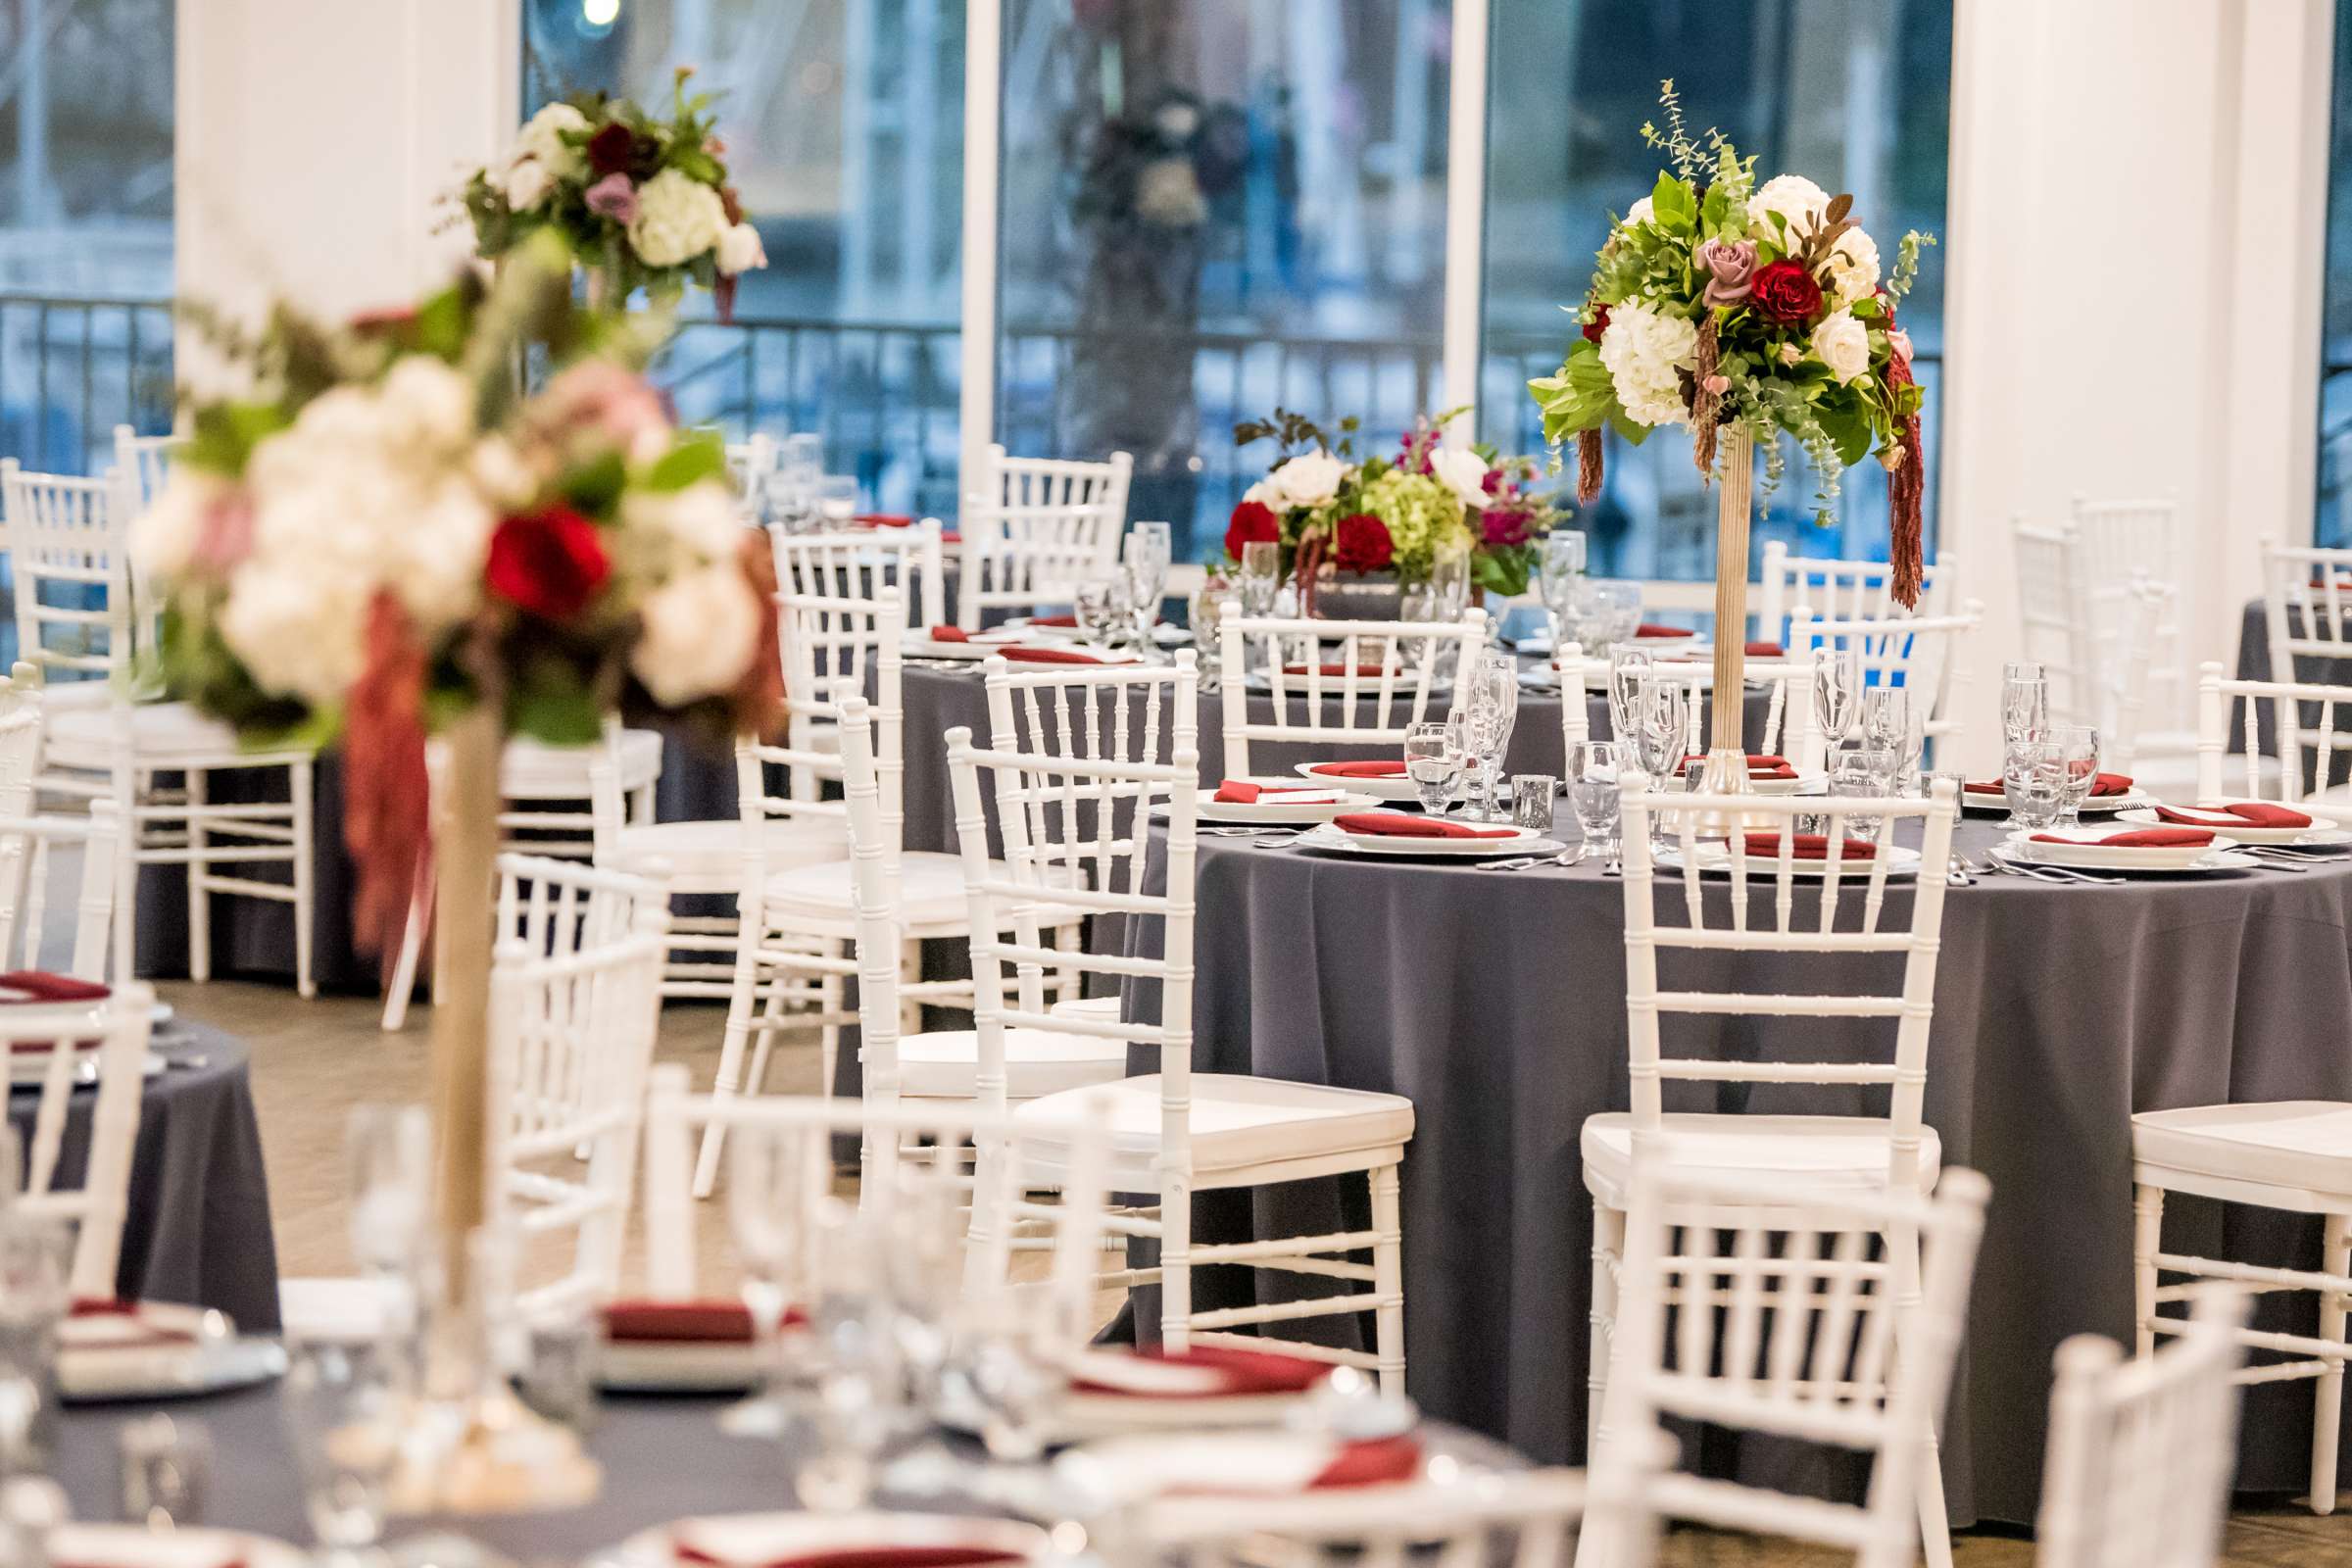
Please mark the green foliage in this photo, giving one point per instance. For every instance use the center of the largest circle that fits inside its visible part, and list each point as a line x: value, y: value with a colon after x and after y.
x: 593, y: 488
x: 1581, y: 397
x: 202, y: 669
x: 699, y: 455
x: 1294, y: 433
x: 224, y: 434
x: 553, y: 699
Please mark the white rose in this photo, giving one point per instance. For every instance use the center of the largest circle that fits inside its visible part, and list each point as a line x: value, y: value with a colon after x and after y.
x: 1642, y: 348
x: 1842, y: 343
x: 1464, y: 472
x: 541, y: 141
x: 163, y: 538
x: 1853, y: 268
x: 701, y: 518
x: 701, y: 630
x: 1640, y: 213
x: 1265, y: 495
x: 298, y: 629
x: 678, y: 217
x: 740, y: 250
x: 1791, y: 354
x: 1799, y: 201
x: 527, y: 185
x: 499, y: 471
x: 426, y: 401
x: 1308, y: 479
x: 433, y: 560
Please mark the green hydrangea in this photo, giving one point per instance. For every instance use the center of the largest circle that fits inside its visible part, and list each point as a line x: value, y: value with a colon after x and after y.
x: 1425, y: 519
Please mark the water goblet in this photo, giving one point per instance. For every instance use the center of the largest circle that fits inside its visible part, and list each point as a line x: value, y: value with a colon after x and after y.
x: 2034, y: 780
x: 2077, y: 747
x: 1837, y: 694
x: 344, y: 1417
x: 1450, y: 587
x: 1150, y: 552
x: 35, y: 1254
x: 1592, y: 767
x: 774, y: 1179
x: 2025, y: 704
x: 1627, y: 667
x: 1260, y: 576
x: 1434, y: 760
x: 1661, y: 731
x: 1095, y: 606
x: 1617, y: 610
x: 1860, y: 775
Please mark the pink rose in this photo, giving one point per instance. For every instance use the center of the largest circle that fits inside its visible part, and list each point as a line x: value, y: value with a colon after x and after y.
x: 226, y: 536
x: 1898, y: 342
x: 613, y: 197
x: 598, y: 397
x: 1731, y: 269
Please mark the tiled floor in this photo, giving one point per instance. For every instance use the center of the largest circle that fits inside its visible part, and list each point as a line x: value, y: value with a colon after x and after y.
x: 315, y: 1061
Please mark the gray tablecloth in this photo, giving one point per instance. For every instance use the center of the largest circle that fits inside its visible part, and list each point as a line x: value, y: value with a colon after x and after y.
x: 198, y: 1225
x: 1496, y: 1002
x: 663, y: 1459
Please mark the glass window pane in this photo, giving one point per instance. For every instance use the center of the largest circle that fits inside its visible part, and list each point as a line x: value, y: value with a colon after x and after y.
x: 1854, y: 94
x: 85, y: 227
x: 844, y: 128
x: 2334, y: 526
x: 1211, y: 208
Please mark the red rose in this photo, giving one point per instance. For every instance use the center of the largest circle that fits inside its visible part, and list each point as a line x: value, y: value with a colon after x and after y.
x: 1361, y: 543
x: 549, y: 563
x: 610, y: 149
x: 1253, y: 522
x: 1786, y: 292
x: 1599, y: 325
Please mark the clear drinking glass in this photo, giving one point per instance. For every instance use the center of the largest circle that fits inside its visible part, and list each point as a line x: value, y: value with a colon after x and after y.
x: 1627, y: 667
x: 344, y: 1418
x: 1448, y: 588
x: 2077, y: 747
x: 774, y: 1181
x: 2033, y: 779
x: 1859, y: 775
x: 1560, y: 569
x: 1616, y: 607
x: 836, y: 501
x: 2025, y: 702
x: 1836, y: 693
x: 559, y: 1367
x: 1095, y: 611
x: 1150, y: 552
x: 35, y: 1259
x: 1434, y: 761
x: 166, y: 1470
x: 1261, y: 576
x: 860, y: 1378
x: 1661, y: 726
x: 1532, y: 796
x: 1488, y: 698
x: 1886, y: 718
x: 1592, y: 791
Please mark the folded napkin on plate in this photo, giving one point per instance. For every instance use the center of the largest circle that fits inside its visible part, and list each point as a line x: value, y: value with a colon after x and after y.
x: 1765, y: 650
x: 1375, y: 1462
x: 1054, y: 620
x: 883, y: 520
x: 949, y: 634
x: 1650, y: 628
x: 1396, y: 824
x: 1050, y: 655
x: 848, y: 1558
x: 1252, y: 1463
x: 1240, y: 792
x: 647, y: 1321
x: 1760, y: 764
x: 1808, y: 847
x: 1336, y: 671
x: 40, y: 985
x: 1201, y: 1372
x: 1382, y: 767
x: 2103, y: 784
x: 95, y: 1323
x: 2146, y: 838
x: 2245, y: 813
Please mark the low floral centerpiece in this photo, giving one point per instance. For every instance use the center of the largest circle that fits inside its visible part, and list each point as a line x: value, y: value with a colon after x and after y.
x: 1340, y: 520
x: 1745, y: 311
x: 644, y: 202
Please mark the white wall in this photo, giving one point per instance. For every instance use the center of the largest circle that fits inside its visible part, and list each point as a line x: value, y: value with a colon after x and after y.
x: 2133, y: 293
x: 316, y: 138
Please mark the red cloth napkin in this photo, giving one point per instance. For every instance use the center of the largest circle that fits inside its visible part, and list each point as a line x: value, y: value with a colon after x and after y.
x: 1809, y: 847
x: 1382, y: 768
x: 1760, y: 764
x: 1336, y: 672
x: 857, y: 1557
x: 1054, y: 620
x: 1240, y: 792
x: 2254, y: 814
x: 1048, y: 656
x: 40, y: 985
x: 884, y: 520
x: 1372, y: 1463
x: 1239, y: 1372
x: 2146, y: 838
x: 2103, y: 784
x: 655, y: 1322
x: 150, y: 1334
x: 1765, y: 650
x: 949, y: 634
x: 1650, y: 628
x: 1398, y: 824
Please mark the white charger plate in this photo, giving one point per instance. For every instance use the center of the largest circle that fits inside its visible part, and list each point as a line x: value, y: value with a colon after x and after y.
x: 1523, y: 841
x: 918, y: 646
x: 1233, y: 812
x: 762, y: 1537
x: 1715, y: 860
x: 168, y: 1371
x: 638, y: 1366
x: 2317, y: 836
x: 1399, y: 788
x: 2132, y: 799
x: 137, y: 1547
x: 2091, y: 855
x: 1814, y: 783
x: 29, y: 1068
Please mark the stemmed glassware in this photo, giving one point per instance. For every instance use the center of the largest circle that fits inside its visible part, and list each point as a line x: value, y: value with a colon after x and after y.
x: 2033, y: 779
x: 390, y: 1152
x: 1099, y: 608
x: 1434, y: 760
x: 1865, y: 774
x: 2025, y: 702
x: 1837, y: 694
x: 1628, y: 668
x: 773, y: 1186
x: 345, y: 1419
x: 1260, y: 576
x: 1489, y: 699
x: 1592, y: 767
x: 1448, y: 587
x: 2078, y: 748
x: 1615, y: 608
x: 1661, y: 730
x: 1150, y: 551
x: 1560, y: 573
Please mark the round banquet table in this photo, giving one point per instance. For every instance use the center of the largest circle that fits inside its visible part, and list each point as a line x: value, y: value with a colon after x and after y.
x: 198, y: 1225
x: 663, y: 1458
x: 1496, y: 1001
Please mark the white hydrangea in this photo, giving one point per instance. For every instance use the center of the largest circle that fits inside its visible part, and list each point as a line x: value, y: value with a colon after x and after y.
x: 1462, y: 471
x: 527, y: 185
x: 700, y: 519
x: 427, y: 402
x: 542, y: 142
x: 700, y: 630
x: 1842, y: 343
x: 1799, y: 201
x: 1642, y: 347
x: 740, y: 250
x: 298, y: 628
x: 1853, y: 268
x: 1307, y: 480
x: 165, y: 537
x: 678, y: 217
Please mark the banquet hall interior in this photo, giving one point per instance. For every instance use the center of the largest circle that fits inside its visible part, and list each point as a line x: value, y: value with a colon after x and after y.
x: 916, y: 783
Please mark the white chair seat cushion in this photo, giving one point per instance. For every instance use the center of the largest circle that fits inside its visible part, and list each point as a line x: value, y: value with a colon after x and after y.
x: 931, y: 896
x: 712, y: 850
x: 2302, y: 1145
x: 942, y: 1063
x: 1237, y: 1121
x: 1837, y: 1151
x: 83, y: 736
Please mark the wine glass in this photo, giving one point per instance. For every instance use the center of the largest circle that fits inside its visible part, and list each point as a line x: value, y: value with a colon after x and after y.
x: 1560, y: 569
x: 1592, y: 768
x: 1491, y: 693
x: 1836, y: 693
x: 1434, y: 760
x: 346, y: 1423
x: 390, y: 1154
x: 1260, y: 576
x: 2078, y: 748
x: 2033, y: 779
x: 1150, y: 549
x: 1627, y: 667
x: 2025, y: 702
x: 1886, y: 718
x: 1661, y: 725
x: 774, y: 1182
x: 1865, y: 774
x: 1094, y: 609
x: 1448, y: 587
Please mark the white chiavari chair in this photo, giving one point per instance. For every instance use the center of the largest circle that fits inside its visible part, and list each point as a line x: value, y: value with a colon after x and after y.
x: 118, y: 1023
x: 2141, y: 1453
x: 1849, y: 1145
x: 67, y: 546
x: 2313, y: 725
x: 548, y: 809
x: 1337, y: 682
x: 2292, y: 1155
x: 977, y: 1155
x: 1790, y: 730
x: 2117, y: 540
x: 1841, y: 590
x: 33, y: 851
x: 2307, y: 608
x: 1035, y: 530
x: 1174, y: 1132
x: 1924, y: 654
x: 861, y: 564
x: 1826, y: 1314
x: 142, y: 463
x: 574, y: 1003
x: 2054, y: 621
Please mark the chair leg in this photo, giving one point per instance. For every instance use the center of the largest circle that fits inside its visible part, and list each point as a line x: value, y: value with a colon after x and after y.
x: 401, y: 988
x: 2147, y: 1226
x: 1608, y: 1244
x: 200, y: 898
x: 1176, y: 1264
x: 1934, y: 1520
x: 742, y: 1001
x: 305, y: 982
x: 2327, y: 1397
x: 829, y: 996
x: 1388, y: 1281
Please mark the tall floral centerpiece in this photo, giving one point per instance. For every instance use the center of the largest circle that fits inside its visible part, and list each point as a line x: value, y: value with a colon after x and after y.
x: 1745, y: 311
x: 1341, y: 522
x: 384, y: 537
x: 644, y: 202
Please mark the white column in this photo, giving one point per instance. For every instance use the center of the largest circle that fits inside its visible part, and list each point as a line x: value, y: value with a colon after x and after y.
x: 983, y: 88
x: 1465, y: 213
x: 315, y: 141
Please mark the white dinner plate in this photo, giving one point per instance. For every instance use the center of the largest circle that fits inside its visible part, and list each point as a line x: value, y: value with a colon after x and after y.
x: 31, y: 1068
x: 1233, y: 812
x: 1029, y: 627
x: 1399, y: 788
x: 168, y: 1371
x: 983, y: 644
x: 2319, y: 836
x: 1814, y: 783
x: 1262, y: 1462
x: 1715, y: 860
x: 2132, y: 799
x: 751, y: 1539
x: 684, y: 1366
x: 137, y: 1547
x: 2091, y: 855
x: 1523, y: 841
